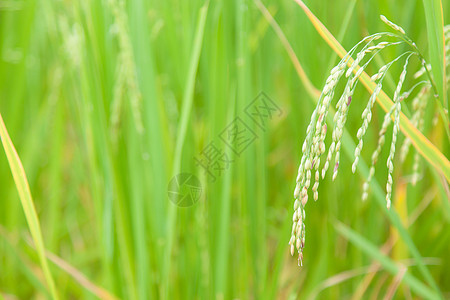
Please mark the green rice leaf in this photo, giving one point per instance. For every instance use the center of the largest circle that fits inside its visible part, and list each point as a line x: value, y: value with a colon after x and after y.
x: 435, y: 29
x: 388, y: 264
x: 26, y: 200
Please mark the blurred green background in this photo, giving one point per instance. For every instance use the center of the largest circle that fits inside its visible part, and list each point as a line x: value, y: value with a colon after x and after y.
x: 106, y: 101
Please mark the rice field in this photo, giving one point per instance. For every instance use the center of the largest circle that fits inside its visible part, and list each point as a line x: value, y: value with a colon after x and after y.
x: 154, y: 150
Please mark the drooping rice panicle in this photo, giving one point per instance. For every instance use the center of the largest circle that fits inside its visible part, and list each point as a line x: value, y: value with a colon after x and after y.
x: 116, y: 106
x: 419, y: 104
x: 73, y: 41
x: 313, y: 147
x: 344, y: 101
x: 314, y: 142
x: 422, y: 71
x: 127, y: 61
x: 376, y: 153
x: 367, y: 113
x: 397, y: 109
x: 340, y: 117
x: 382, y: 132
x: 367, y: 117
x: 392, y: 25
x: 420, y: 127
x: 415, y: 169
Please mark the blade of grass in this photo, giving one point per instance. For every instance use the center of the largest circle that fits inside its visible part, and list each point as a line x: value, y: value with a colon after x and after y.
x: 366, y: 270
x: 110, y: 191
x: 188, y: 98
x: 223, y: 243
x: 22, y: 262
x: 444, y: 193
x: 80, y: 277
x: 436, y: 49
x: 76, y: 274
x: 155, y: 139
x: 136, y: 200
x: 253, y: 213
x: 310, y: 88
x: 387, y: 246
x: 26, y: 200
x: 390, y: 266
x: 420, y: 142
x: 342, y: 31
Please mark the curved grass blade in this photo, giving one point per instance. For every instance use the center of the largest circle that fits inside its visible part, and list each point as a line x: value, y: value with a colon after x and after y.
x: 394, y: 218
x: 23, y: 264
x: 310, y: 88
x: 420, y: 142
x: 26, y: 200
x: 79, y: 277
x: 388, y: 264
x: 353, y: 273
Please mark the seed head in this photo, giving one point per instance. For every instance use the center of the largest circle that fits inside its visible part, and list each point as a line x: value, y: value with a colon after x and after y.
x: 296, y: 204
x: 392, y: 25
x: 314, y: 144
x: 397, y: 109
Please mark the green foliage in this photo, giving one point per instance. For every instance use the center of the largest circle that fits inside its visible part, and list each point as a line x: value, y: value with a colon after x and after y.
x: 435, y: 29
x: 105, y: 101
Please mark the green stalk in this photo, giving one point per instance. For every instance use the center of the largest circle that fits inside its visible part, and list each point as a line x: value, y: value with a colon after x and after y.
x: 188, y: 98
x: 435, y: 27
x: 26, y: 200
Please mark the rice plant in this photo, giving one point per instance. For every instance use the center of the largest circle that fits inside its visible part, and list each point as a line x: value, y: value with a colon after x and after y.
x: 350, y: 70
x: 110, y: 110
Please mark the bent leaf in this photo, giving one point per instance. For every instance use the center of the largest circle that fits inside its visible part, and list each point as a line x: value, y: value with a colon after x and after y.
x: 26, y: 200
x: 388, y: 264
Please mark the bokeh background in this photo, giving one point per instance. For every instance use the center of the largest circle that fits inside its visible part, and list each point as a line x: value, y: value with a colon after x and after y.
x: 106, y: 101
